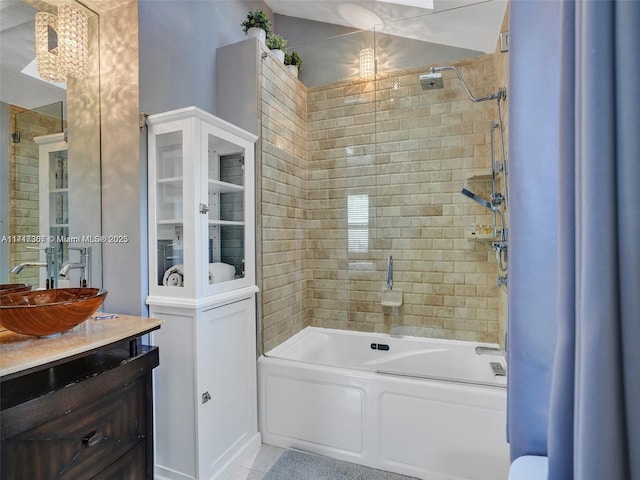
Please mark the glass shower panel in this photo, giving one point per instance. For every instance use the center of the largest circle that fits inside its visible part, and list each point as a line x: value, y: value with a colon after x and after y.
x: 429, y: 143
x: 24, y: 167
x: 342, y: 185
x: 387, y: 161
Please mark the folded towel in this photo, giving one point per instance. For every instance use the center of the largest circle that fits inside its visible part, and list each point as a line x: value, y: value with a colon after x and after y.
x: 174, y: 276
x: 221, y: 272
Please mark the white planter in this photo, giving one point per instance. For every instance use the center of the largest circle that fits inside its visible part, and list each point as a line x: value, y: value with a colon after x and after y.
x: 255, y: 32
x: 279, y: 54
x: 293, y: 69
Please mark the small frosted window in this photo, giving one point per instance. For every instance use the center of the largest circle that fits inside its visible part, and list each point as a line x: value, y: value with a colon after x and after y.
x: 358, y: 223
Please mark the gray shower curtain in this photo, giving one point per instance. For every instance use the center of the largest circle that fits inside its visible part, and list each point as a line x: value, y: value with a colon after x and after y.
x: 594, y: 415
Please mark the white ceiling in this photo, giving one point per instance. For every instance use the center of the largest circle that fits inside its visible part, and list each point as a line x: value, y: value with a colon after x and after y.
x: 470, y: 24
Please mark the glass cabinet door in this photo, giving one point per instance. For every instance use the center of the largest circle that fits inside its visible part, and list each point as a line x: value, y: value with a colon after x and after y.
x: 58, y: 206
x: 226, y: 210
x: 169, y: 209
x: 201, y: 206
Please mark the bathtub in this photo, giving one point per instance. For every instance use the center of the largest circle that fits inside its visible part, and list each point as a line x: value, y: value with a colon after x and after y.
x: 428, y: 408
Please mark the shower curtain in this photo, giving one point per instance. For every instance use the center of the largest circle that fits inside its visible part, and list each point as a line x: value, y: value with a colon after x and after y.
x: 594, y: 417
x: 574, y: 274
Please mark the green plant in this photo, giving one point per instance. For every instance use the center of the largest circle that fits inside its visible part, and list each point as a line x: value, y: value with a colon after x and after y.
x: 293, y: 58
x: 257, y: 19
x: 276, y: 42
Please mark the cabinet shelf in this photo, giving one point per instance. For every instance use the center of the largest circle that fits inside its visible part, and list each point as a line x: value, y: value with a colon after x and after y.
x: 226, y: 222
x: 483, y: 175
x: 218, y: 186
x: 480, y: 176
x: 171, y: 180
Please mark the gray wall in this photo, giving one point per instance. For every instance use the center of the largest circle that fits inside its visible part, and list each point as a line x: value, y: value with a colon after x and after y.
x: 330, y: 53
x: 178, y: 42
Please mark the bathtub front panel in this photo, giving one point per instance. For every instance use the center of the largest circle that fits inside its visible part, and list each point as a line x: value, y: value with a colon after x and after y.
x: 453, y: 432
x: 325, y: 414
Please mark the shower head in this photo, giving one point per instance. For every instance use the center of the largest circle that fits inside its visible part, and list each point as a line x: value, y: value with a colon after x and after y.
x: 430, y: 81
x: 474, y: 197
x: 501, y: 94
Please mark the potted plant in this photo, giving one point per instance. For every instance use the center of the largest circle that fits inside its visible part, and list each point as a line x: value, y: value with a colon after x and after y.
x: 293, y: 61
x: 276, y: 44
x: 257, y: 25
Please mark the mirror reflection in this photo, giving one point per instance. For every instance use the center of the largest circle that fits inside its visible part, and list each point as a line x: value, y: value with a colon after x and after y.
x: 50, y: 220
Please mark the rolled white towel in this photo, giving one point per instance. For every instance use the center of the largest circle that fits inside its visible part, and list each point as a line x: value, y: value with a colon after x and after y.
x: 174, y: 276
x: 221, y: 272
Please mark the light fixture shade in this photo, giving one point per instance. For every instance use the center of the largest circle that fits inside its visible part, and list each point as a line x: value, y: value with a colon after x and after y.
x: 47, y: 52
x: 367, y: 64
x: 73, y: 40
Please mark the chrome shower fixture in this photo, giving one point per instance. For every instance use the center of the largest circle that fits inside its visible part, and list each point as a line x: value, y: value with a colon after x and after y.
x: 431, y: 81
x: 473, y: 196
x: 501, y: 94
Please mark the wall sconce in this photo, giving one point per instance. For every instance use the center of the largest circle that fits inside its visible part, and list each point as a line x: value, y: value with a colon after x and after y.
x: 367, y: 64
x: 62, y: 44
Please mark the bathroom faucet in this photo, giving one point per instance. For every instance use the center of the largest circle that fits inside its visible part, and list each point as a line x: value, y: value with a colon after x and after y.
x: 18, y: 268
x: 49, y: 256
x: 84, y: 266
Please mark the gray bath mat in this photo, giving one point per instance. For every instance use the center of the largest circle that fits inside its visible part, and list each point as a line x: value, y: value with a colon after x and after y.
x: 296, y: 465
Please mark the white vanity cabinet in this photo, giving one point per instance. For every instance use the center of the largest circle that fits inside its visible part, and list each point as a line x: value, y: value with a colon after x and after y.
x: 205, y: 394
x: 202, y: 285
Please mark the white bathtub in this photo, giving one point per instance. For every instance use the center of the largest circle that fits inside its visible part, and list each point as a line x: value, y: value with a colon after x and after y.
x: 429, y: 408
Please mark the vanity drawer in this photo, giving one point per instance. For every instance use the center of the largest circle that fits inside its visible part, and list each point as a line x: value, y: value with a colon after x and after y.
x: 85, y: 430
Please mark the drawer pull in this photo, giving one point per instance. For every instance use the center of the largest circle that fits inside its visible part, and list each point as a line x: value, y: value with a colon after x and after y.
x: 92, y: 439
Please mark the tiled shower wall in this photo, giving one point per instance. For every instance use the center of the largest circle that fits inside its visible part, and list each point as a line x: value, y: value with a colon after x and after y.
x: 355, y: 172
x: 282, y: 199
x: 408, y: 152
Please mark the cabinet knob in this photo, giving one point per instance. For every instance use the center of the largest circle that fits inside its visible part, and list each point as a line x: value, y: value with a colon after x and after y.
x: 204, y: 208
x: 92, y: 438
x: 206, y: 396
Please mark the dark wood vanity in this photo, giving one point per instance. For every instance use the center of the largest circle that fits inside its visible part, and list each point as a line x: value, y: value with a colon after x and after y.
x: 78, y: 405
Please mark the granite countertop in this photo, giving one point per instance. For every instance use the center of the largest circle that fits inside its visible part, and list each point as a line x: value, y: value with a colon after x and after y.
x: 21, y: 352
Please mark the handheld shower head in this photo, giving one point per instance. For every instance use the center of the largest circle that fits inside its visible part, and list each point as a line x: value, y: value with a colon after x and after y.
x: 476, y: 198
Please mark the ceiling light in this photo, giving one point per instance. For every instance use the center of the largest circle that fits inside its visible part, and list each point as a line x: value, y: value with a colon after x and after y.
x: 62, y: 44
x: 367, y: 64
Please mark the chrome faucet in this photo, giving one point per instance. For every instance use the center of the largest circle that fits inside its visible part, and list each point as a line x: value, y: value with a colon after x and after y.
x: 18, y: 268
x: 84, y: 266
x: 48, y: 264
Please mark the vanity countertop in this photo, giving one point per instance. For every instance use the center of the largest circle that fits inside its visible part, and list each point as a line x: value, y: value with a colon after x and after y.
x: 22, y: 352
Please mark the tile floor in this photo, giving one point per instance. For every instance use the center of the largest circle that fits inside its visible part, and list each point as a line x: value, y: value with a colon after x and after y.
x: 259, y: 463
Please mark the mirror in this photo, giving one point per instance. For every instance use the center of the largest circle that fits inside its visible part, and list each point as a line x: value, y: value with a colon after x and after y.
x: 50, y: 170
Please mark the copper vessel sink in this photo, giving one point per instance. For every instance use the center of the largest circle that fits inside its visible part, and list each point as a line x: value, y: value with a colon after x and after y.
x: 47, y: 312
